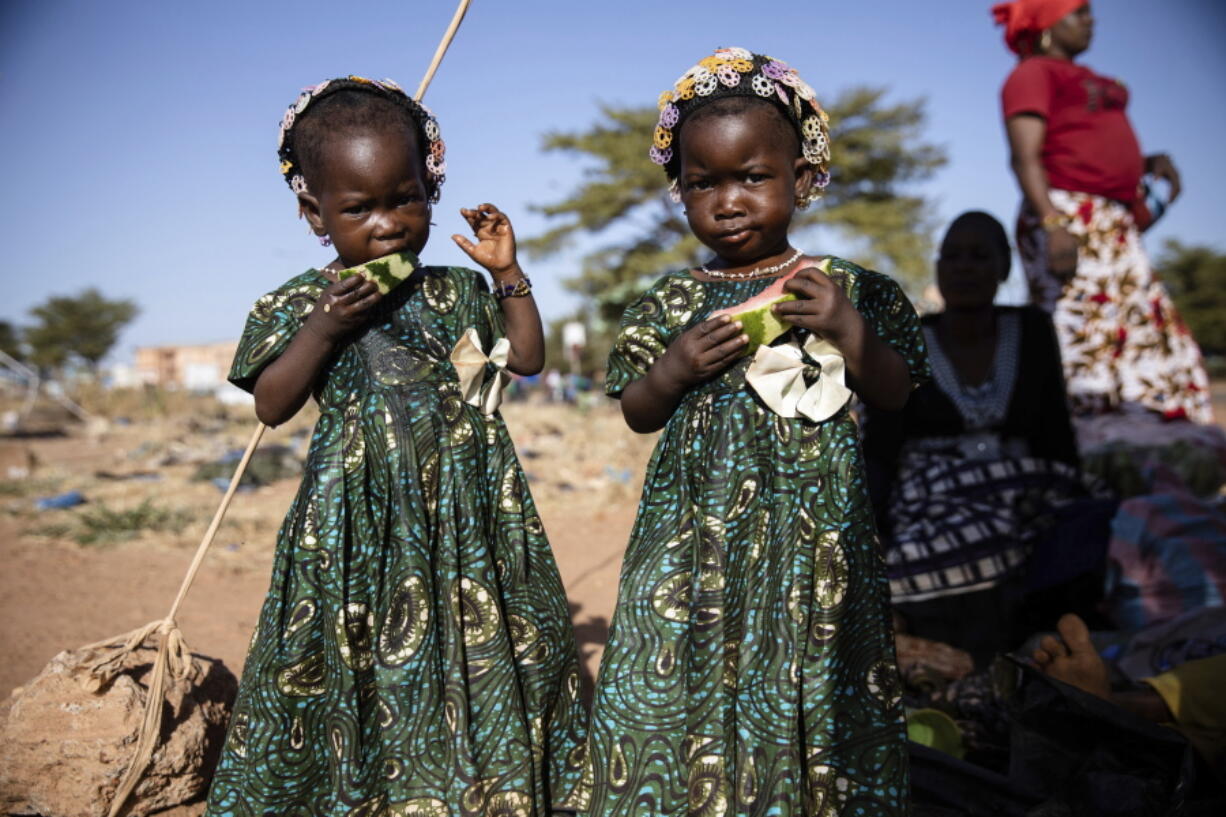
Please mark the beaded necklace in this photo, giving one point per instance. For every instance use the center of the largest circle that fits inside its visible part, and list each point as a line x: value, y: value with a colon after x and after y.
x: 753, y: 273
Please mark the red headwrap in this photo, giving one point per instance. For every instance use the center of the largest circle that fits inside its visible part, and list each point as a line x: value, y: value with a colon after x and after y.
x: 1024, y: 20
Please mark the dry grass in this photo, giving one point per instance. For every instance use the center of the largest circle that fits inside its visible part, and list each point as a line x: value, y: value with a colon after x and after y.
x: 102, y: 524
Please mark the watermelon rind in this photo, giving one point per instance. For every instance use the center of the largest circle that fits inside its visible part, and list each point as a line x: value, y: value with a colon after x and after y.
x: 760, y: 324
x: 386, y: 272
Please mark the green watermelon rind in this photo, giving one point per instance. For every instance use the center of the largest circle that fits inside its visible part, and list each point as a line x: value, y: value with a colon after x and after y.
x: 386, y: 272
x: 761, y: 324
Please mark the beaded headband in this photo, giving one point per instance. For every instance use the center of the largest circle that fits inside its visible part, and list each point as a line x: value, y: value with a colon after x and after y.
x: 436, y: 166
x: 737, y: 72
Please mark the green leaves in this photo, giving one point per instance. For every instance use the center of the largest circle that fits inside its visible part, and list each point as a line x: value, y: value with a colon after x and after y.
x: 80, y: 328
x: 877, y: 153
x: 1196, y: 278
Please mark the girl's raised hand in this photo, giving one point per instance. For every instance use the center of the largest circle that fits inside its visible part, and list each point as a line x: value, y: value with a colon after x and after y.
x: 821, y: 306
x: 495, y: 247
x: 343, y: 307
x: 703, y: 351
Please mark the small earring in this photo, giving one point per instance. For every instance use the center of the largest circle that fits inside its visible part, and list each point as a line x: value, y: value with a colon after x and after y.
x: 325, y: 240
x: 1045, y: 40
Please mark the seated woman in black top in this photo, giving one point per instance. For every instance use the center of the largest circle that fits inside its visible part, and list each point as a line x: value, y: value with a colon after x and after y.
x: 969, y: 478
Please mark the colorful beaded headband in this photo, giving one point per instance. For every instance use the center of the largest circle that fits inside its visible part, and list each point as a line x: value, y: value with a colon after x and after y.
x: 737, y: 72
x: 436, y: 166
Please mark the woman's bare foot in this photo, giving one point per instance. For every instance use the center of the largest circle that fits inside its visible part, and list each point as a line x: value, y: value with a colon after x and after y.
x: 1071, y: 658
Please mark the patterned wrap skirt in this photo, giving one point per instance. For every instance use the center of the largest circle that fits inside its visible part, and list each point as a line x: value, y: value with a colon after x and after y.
x: 1121, y: 338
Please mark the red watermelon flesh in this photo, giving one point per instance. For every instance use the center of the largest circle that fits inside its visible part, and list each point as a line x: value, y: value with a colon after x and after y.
x: 758, y: 320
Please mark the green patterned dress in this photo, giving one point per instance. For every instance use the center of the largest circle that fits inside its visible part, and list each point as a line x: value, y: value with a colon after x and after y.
x: 414, y: 655
x: 750, y: 667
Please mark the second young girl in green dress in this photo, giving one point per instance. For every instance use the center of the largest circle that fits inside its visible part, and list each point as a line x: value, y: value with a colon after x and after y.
x: 750, y: 666
x: 414, y: 656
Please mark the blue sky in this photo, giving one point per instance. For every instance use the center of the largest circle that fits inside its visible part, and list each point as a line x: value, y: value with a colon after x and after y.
x: 138, y: 138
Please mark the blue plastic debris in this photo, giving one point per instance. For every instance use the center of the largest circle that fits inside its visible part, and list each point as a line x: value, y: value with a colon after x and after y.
x: 55, y: 503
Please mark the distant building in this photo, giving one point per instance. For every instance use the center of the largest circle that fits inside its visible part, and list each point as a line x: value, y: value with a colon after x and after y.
x: 198, y: 368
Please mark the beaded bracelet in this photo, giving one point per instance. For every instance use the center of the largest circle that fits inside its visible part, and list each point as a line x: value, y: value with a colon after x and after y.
x: 521, y: 287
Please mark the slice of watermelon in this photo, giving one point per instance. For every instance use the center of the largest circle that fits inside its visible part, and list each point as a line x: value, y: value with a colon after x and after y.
x: 758, y: 320
x: 387, y: 272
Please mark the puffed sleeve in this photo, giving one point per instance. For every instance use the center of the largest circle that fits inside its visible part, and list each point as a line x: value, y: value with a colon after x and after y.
x: 892, y: 317
x: 1028, y: 90
x: 643, y: 337
x: 271, y: 325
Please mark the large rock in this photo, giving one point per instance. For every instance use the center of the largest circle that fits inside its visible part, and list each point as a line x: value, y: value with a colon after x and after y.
x: 64, y: 749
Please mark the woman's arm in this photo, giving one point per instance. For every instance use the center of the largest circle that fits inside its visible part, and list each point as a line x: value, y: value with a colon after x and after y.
x: 1026, y: 135
x: 284, y: 386
x: 882, y: 438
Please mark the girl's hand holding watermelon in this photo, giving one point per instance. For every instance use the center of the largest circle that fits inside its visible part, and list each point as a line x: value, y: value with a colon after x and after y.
x: 875, y: 372
x: 346, y: 305
x: 821, y: 306
x: 702, y: 352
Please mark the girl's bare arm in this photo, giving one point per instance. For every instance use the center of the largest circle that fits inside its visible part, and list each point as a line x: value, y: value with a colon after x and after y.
x: 495, y: 250
x: 284, y: 386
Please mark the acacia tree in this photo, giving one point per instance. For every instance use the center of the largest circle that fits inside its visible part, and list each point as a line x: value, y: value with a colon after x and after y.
x: 876, y: 153
x: 78, y: 328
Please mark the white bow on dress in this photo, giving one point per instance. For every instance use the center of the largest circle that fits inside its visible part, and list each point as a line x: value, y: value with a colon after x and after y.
x: 470, y: 361
x: 777, y: 375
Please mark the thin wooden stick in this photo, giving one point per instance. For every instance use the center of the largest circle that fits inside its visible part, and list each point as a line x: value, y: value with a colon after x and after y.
x: 172, y: 650
x: 252, y: 444
x: 456, y: 19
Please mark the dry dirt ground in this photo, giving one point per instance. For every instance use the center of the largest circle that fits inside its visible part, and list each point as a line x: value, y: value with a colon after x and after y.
x: 585, y: 471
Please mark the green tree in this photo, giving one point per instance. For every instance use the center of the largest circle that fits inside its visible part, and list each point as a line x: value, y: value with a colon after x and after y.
x: 76, y: 328
x: 876, y: 153
x: 1196, y: 278
x: 10, y: 340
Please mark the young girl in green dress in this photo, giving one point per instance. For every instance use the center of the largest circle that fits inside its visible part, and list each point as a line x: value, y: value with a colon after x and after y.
x: 414, y: 655
x: 750, y: 665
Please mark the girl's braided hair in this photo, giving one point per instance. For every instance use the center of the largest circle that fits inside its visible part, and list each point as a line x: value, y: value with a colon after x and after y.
x: 354, y: 104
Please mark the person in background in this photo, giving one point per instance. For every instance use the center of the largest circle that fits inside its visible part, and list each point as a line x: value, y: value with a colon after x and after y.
x: 981, y: 464
x: 1080, y: 167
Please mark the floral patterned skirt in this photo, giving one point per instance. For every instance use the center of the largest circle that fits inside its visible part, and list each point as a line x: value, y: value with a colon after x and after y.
x: 1121, y: 338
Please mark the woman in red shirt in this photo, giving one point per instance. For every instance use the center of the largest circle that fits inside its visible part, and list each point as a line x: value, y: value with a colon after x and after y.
x: 1080, y: 166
